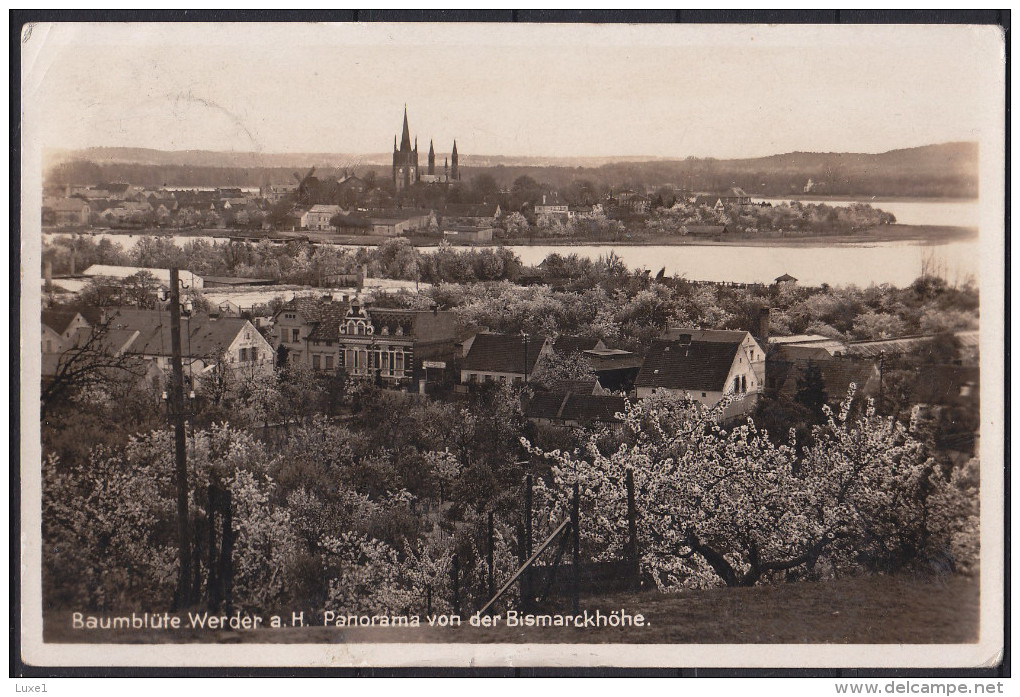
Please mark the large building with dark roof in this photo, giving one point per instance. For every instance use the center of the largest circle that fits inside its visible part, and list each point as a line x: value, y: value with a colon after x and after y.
x: 393, y: 345
x: 508, y: 358
x: 386, y: 344
x: 706, y: 365
x: 206, y: 340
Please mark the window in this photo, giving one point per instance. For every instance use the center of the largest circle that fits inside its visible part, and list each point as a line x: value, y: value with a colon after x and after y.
x: 296, y: 335
x: 254, y: 353
x: 242, y: 355
x: 704, y: 394
x: 736, y: 384
x: 315, y: 361
x: 329, y: 363
x: 743, y: 383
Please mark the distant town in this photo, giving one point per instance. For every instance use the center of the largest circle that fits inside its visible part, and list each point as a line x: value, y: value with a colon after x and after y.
x: 428, y: 199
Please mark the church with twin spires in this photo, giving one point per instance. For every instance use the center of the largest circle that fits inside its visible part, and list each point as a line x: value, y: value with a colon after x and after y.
x: 405, y: 163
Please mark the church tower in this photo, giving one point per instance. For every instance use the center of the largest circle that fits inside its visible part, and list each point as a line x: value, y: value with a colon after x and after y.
x: 454, y: 166
x: 405, y: 159
x: 432, y: 159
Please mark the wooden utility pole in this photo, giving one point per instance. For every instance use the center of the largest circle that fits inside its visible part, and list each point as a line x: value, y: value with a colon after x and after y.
x: 575, y: 524
x: 881, y: 382
x: 183, y: 598
x: 635, y: 565
x: 529, y: 541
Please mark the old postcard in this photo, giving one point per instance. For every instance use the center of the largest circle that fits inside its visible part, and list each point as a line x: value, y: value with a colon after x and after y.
x: 512, y: 345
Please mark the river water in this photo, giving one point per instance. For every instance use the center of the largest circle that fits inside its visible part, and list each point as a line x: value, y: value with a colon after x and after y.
x: 895, y: 262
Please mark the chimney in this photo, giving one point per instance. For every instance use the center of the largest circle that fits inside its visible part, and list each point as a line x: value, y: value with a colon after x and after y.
x: 763, y: 325
x: 684, y: 342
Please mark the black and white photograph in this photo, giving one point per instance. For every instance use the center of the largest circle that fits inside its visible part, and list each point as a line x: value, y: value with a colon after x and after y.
x: 464, y: 344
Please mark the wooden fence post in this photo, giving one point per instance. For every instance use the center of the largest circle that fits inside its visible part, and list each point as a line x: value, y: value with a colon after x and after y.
x: 575, y: 524
x: 456, y: 584
x: 527, y: 516
x: 492, y: 554
x: 227, y: 552
x: 633, y: 554
x: 212, y: 588
x: 522, y: 556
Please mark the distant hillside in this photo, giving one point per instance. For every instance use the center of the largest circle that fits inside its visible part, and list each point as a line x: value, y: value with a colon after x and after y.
x: 944, y: 170
x: 212, y: 158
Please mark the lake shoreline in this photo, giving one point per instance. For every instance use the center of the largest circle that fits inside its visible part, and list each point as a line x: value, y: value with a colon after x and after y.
x: 923, y: 234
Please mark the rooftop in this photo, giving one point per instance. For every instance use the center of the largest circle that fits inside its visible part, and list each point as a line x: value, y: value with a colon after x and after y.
x: 503, y: 353
x: 701, y: 366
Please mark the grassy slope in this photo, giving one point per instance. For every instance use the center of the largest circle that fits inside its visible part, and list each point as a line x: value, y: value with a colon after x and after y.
x: 872, y: 610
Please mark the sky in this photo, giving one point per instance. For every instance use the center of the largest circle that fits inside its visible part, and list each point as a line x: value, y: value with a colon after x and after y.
x: 535, y: 90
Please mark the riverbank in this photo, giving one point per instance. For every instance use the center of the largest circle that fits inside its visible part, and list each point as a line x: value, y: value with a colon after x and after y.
x: 923, y: 234
x: 928, y: 234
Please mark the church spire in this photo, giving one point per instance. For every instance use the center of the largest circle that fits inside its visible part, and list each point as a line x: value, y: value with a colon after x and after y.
x: 432, y: 158
x: 454, y: 164
x: 405, y: 137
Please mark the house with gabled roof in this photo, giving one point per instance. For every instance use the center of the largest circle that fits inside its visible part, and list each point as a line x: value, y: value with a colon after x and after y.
x: 507, y: 358
x: 837, y: 374
x: 567, y: 345
x: 707, y: 365
x: 66, y: 212
x: 318, y: 217
x: 393, y: 345
x: 482, y: 214
x: 574, y: 409
x: 206, y: 340
x: 59, y: 327
x: 68, y: 328
x: 718, y: 201
x: 298, y: 320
